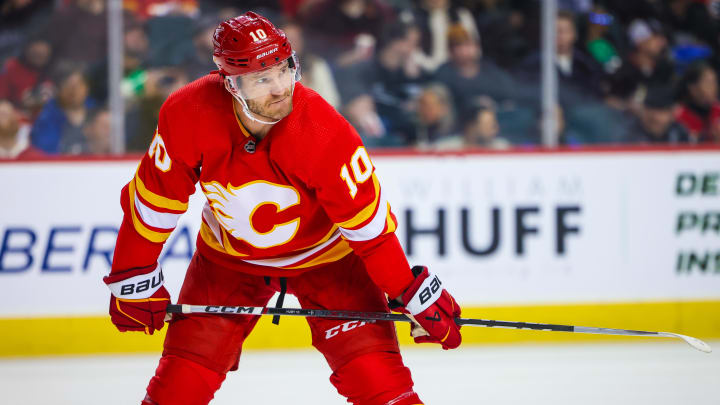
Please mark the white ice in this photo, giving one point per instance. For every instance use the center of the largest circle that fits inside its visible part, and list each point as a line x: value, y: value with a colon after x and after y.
x: 655, y: 373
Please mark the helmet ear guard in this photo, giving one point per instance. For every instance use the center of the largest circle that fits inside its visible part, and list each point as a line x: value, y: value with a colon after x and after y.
x: 294, y: 63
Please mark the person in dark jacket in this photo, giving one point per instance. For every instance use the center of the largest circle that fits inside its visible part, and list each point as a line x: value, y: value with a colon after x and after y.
x: 64, y: 116
x: 700, y: 109
x: 656, y: 122
x: 578, y: 73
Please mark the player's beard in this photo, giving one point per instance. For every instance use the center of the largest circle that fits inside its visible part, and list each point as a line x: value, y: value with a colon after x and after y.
x: 267, y: 109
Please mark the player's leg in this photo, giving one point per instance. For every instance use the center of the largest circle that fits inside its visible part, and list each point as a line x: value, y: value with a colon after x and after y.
x: 200, y: 349
x: 181, y: 381
x: 364, y: 357
x: 376, y: 378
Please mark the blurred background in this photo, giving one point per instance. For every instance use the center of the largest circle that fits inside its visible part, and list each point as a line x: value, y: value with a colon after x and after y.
x: 429, y: 74
x: 553, y: 160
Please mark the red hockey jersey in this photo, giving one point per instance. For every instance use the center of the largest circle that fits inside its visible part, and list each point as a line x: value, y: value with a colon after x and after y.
x: 304, y: 195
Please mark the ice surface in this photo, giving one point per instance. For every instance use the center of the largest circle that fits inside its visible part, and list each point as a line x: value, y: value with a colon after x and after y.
x: 657, y: 373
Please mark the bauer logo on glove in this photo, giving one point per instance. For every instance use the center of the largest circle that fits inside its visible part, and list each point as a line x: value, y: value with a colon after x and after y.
x: 142, y: 285
x: 432, y: 309
x: 138, y: 300
x: 428, y: 292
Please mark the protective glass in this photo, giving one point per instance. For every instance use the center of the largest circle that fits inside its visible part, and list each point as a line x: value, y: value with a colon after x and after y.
x: 275, y: 80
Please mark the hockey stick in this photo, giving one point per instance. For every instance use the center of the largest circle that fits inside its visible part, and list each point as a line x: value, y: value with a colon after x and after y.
x: 386, y: 316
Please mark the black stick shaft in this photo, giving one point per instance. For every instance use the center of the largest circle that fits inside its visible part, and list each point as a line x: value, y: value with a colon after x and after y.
x: 386, y: 316
x: 351, y: 315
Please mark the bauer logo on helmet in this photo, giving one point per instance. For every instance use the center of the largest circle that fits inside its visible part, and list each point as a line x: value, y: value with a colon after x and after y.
x: 264, y: 54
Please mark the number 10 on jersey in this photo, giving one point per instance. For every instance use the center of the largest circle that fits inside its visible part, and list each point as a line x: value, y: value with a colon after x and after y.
x: 362, y: 169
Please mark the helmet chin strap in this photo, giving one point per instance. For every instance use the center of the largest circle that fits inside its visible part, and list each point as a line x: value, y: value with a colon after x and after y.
x: 249, y: 114
x: 246, y: 109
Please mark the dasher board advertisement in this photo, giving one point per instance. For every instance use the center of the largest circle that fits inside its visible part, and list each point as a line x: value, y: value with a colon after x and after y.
x: 500, y: 229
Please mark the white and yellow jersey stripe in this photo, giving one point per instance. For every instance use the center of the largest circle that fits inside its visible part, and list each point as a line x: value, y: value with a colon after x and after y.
x: 153, y: 216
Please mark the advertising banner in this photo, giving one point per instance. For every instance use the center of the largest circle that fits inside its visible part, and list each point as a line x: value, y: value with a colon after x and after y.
x: 500, y: 229
x: 559, y: 228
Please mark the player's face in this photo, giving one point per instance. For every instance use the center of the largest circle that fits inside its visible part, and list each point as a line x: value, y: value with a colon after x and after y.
x: 268, y: 93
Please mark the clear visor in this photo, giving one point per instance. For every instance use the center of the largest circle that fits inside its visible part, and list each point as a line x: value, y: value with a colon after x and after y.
x: 276, y: 80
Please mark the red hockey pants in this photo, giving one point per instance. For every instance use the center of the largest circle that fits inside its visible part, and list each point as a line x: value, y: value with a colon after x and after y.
x: 200, y: 349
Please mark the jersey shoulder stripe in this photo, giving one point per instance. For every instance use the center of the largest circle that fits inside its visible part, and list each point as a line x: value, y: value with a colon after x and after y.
x: 154, y: 218
x: 374, y: 227
x: 145, y: 230
x: 156, y: 199
x: 391, y: 222
x: 366, y: 212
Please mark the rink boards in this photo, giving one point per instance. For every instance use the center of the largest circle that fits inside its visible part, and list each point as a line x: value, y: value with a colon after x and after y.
x: 614, y: 238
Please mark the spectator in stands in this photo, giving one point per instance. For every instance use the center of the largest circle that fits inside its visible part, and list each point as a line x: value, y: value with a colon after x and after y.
x: 23, y: 79
x: 95, y: 139
x: 145, y: 9
x: 378, y: 94
x: 656, y: 123
x: 316, y: 72
x: 621, y: 95
x: 136, y: 45
x: 502, y: 26
x: 14, y: 134
x: 603, y: 122
x: 700, y: 110
x: 170, y: 33
x: 200, y: 64
x: 575, y: 6
x: 626, y: 11
x: 146, y: 86
x: 434, y: 18
x: 78, y: 33
x: 142, y: 121
x: 598, y: 41
x: 436, y: 118
x: 64, y: 116
x: 483, y: 130
x: 20, y: 19
x: 579, y: 75
x: 298, y: 9
x: 648, y: 62
x: 344, y: 31
x: 135, y: 60
x: 693, y: 18
x: 470, y: 77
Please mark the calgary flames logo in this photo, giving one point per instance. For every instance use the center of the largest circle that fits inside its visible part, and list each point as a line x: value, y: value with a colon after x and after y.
x: 234, y: 207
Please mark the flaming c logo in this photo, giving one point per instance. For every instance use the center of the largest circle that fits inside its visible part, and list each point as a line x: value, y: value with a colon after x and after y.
x: 233, y: 207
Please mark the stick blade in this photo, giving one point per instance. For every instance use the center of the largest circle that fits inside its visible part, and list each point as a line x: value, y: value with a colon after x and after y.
x: 693, y: 342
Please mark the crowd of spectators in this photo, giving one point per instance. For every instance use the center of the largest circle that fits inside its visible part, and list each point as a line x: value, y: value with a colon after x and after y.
x: 406, y: 73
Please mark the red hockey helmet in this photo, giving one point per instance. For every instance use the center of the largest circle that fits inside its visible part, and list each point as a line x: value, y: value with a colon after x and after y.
x: 248, y: 43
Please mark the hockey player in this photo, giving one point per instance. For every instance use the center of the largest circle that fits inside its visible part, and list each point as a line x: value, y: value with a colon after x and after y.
x: 293, y: 204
